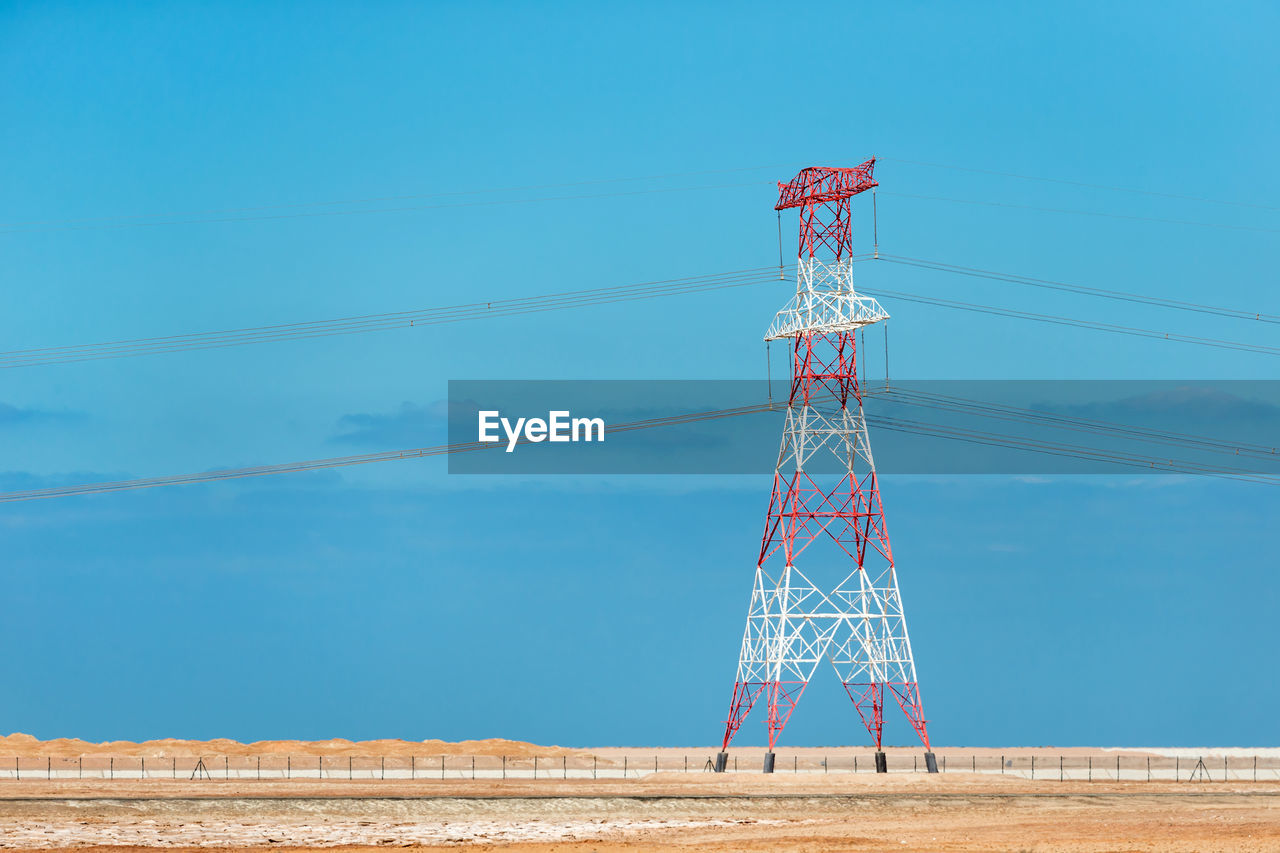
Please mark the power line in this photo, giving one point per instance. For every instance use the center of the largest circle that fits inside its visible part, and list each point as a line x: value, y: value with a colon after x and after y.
x: 891, y: 423
x: 376, y: 322
x: 134, y: 222
x: 1074, y: 183
x: 1013, y: 278
x: 1076, y: 212
x: 1077, y: 323
x: 357, y: 324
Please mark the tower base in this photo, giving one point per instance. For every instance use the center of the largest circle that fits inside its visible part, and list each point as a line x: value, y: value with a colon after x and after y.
x: 930, y: 762
x: 882, y: 763
x: 722, y: 761
x: 768, y: 762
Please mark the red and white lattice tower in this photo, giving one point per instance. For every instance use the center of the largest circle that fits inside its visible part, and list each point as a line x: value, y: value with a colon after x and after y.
x: 857, y: 622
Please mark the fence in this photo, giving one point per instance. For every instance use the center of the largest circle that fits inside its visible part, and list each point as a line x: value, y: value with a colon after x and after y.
x: 1094, y: 768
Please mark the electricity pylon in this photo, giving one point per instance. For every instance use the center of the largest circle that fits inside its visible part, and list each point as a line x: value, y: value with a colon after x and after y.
x: 793, y: 623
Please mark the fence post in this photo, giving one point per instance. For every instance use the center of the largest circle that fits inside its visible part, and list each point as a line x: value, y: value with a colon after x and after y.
x: 1148, y: 768
x: 175, y: 767
x: 624, y: 767
x: 442, y: 766
x: 1224, y: 768
x: 80, y: 766
x: 504, y: 767
x: 259, y: 770
x: 473, y: 767
x: 855, y: 763
x: 1090, y: 768
x: 1117, y: 768
x: 593, y: 767
x: 413, y: 767
x: 226, y: 767
x: 384, y: 767
x: 1061, y: 775
x: 655, y: 763
x: 535, y: 767
x: 288, y: 766
x: 1255, y: 768
x: 1002, y: 765
x: 113, y: 767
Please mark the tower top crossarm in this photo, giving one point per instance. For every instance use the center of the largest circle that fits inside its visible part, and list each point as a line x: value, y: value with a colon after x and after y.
x: 818, y: 184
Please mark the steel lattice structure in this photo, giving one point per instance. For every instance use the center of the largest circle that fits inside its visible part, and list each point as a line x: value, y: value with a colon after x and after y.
x: 793, y: 622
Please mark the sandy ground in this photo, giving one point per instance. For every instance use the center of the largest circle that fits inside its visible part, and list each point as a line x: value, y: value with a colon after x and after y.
x: 812, y: 811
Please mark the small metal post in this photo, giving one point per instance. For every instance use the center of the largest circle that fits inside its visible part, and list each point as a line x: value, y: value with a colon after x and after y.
x: 504, y: 767
x: 855, y: 764
x: 384, y: 767
x: 686, y: 764
x: 655, y: 763
x: 48, y: 767
x: 348, y: 767
x: 1060, y: 773
x: 624, y: 767
x: 535, y: 764
x: 915, y: 764
x: 1255, y: 768
x: 735, y: 764
x: 1002, y: 765
x: 1090, y: 768
x: 593, y: 767
x: 288, y: 766
x: 226, y: 767
x: 1117, y: 768
x: 259, y: 771
x: 80, y: 768
x: 319, y: 767
x: 413, y: 767
x: 535, y: 767
x: 473, y: 767
x: 975, y: 764
x: 113, y: 767
x: 1148, y: 768
x: 17, y: 774
x: 1224, y: 768
x: 175, y: 767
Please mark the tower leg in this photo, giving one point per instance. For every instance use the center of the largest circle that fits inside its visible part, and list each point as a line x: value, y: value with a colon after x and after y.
x: 882, y: 763
x: 768, y: 761
x: 744, y: 697
x: 722, y: 761
x: 930, y: 762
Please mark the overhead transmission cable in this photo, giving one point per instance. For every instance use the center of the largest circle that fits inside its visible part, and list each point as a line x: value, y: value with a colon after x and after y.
x: 887, y: 422
x: 1124, y: 296
x: 1075, y: 183
x: 37, y: 356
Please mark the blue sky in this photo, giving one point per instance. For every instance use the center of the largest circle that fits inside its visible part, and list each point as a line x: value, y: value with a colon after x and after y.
x: 396, y: 600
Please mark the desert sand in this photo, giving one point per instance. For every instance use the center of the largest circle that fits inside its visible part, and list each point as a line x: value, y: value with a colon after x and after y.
x: 812, y: 809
